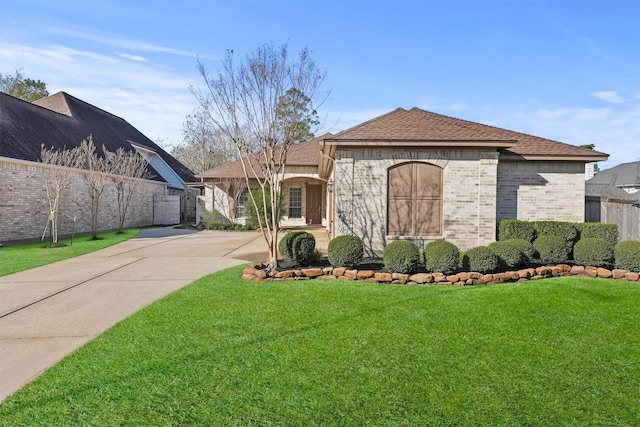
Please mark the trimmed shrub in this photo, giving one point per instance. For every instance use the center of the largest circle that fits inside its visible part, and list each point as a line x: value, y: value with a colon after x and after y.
x: 525, y: 247
x: 566, y: 230
x: 509, y: 254
x: 552, y: 249
x: 401, y: 256
x: 481, y: 259
x: 593, y: 251
x: 515, y: 229
x: 285, y: 244
x: 441, y: 256
x: 303, y: 248
x: 345, y: 251
x: 627, y: 255
x: 608, y: 232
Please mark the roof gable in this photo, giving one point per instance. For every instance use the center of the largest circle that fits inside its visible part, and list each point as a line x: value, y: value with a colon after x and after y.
x: 302, y: 154
x: 62, y: 121
x: 417, y: 127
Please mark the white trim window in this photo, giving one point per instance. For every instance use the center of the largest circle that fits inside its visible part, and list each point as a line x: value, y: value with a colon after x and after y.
x: 295, y: 202
x: 240, y: 202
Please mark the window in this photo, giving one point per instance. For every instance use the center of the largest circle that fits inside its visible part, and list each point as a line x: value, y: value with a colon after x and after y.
x: 295, y: 202
x: 240, y: 201
x: 414, y: 200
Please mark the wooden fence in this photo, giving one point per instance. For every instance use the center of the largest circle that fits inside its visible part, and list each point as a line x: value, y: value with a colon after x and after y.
x: 624, y: 213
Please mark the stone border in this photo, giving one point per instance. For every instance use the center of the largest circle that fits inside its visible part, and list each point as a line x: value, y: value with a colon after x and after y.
x: 258, y: 272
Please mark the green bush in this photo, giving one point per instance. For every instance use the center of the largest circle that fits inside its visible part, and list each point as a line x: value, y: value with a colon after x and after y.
x: 566, y: 230
x: 525, y: 247
x: 252, y: 216
x: 515, y: 229
x: 303, y: 248
x: 593, y: 251
x: 441, y: 256
x: 608, y: 232
x: 401, y: 256
x: 509, y: 253
x: 285, y: 244
x: 552, y: 249
x: 345, y: 251
x: 481, y: 259
x: 627, y: 255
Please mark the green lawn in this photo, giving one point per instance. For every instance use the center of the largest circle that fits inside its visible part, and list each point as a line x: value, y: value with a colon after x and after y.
x: 225, y: 352
x: 23, y: 257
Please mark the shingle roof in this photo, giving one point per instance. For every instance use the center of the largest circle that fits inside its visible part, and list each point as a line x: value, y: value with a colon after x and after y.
x: 421, y: 127
x: 303, y: 154
x: 623, y: 175
x: 60, y: 121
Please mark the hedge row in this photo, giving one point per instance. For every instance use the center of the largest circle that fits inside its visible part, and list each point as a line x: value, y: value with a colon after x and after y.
x: 403, y: 256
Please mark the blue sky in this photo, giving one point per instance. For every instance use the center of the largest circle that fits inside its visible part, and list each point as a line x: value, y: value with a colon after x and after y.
x: 567, y: 70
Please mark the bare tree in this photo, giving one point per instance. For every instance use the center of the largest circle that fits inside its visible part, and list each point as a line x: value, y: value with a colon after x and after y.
x: 203, y: 146
x: 128, y: 168
x: 57, y: 175
x: 96, y: 179
x: 251, y: 105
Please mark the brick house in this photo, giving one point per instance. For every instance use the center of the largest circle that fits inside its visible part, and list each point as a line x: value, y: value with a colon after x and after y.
x: 417, y: 175
x: 63, y: 121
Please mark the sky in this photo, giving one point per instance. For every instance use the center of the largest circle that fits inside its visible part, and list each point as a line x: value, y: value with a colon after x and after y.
x: 567, y: 70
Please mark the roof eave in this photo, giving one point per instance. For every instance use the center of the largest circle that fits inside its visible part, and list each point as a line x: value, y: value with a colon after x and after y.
x: 392, y: 143
x: 553, y: 157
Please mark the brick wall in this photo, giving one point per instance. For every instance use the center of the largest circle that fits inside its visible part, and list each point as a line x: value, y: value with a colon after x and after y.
x: 541, y: 191
x: 469, y: 193
x: 24, y: 205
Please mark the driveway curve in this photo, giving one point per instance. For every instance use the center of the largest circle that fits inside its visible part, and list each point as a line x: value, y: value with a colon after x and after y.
x: 48, y: 312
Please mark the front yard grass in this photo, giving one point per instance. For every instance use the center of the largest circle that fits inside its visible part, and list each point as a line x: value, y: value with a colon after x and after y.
x: 17, y: 258
x: 562, y: 351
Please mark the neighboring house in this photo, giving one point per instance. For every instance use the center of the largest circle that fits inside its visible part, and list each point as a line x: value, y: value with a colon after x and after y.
x: 62, y: 121
x: 421, y: 176
x: 613, y: 196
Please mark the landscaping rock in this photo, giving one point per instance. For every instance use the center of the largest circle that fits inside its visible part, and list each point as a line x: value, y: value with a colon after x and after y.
x: 400, y: 277
x: 619, y: 274
x: 284, y: 274
x: 421, y: 278
x: 634, y: 277
x: 312, y: 272
x: 383, y: 277
x: 351, y: 274
x: 364, y: 274
x: 591, y: 271
x: 604, y: 273
x: 576, y: 270
x: 327, y: 271
x: 339, y: 271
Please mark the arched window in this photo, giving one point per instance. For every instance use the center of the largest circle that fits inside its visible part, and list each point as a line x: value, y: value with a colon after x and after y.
x: 414, y: 200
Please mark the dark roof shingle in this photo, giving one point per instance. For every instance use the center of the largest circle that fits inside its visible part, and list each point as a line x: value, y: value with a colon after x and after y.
x: 60, y: 121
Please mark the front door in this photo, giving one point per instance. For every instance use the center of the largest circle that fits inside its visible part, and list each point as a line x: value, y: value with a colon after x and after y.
x: 314, y: 204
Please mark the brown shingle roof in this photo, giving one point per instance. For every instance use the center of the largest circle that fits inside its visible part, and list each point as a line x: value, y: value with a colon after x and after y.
x: 418, y: 127
x: 303, y: 154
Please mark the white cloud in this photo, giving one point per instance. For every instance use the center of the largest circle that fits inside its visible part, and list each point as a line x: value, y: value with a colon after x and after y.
x: 132, y: 57
x: 610, y: 96
x: 112, y: 40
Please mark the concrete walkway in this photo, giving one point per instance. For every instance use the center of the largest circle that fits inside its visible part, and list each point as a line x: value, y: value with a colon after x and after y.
x: 50, y: 311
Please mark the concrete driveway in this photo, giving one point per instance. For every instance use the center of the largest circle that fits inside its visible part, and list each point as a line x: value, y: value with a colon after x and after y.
x: 50, y: 311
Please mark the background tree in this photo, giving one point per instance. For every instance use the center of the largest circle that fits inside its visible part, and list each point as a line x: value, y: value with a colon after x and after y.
x: 128, y: 169
x: 203, y: 146
x: 23, y: 88
x: 258, y: 106
x: 96, y: 178
x: 57, y: 177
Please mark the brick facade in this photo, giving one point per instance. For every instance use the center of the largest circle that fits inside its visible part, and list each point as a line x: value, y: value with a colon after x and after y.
x: 535, y: 191
x: 469, y: 193
x: 24, y: 205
